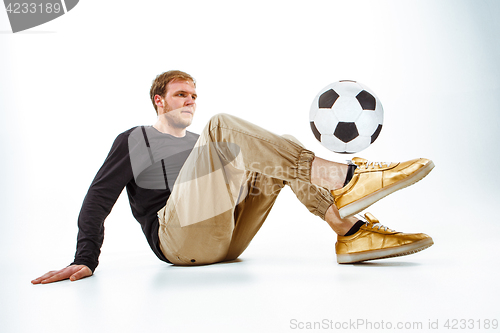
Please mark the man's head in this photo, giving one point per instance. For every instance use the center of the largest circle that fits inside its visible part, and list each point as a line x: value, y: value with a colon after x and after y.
x: 173, y: 94
x: 160, y: 84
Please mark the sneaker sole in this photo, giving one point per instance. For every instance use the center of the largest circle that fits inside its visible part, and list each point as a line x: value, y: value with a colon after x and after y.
x: 359, y: 205
x: 385, y: 253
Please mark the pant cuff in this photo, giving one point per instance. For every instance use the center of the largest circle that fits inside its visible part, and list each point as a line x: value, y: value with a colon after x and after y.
x: 304, y: 165
x: 324, y: 205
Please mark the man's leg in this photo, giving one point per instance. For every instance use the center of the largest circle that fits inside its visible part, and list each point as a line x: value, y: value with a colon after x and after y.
x: 198, y: 221
x: 276, y: 157
x: 366, y: 239
x: 263, y: 191
x: 251, y: 212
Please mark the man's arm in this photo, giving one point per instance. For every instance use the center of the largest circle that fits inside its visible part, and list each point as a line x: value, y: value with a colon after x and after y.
x: 105, y: 189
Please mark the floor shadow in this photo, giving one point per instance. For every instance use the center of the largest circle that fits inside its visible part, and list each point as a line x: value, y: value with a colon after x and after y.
x: 386, y: 264
x: 202, y: 276
x: 214, y: 264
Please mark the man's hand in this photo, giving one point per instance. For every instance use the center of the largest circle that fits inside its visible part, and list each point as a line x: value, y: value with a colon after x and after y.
x: 73, y: 272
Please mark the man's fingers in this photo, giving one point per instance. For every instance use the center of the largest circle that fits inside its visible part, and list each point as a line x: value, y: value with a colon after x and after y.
x: 73, y: 272
x: 43, y: 277
x: 80, y: 274
x: 58, y: 276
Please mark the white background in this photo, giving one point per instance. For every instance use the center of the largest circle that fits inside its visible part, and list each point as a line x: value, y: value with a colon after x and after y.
x: 68, y: 87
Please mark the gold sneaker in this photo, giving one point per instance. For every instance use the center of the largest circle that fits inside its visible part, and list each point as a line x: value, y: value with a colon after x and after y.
x: 374, y: 180
x: 375, y: 241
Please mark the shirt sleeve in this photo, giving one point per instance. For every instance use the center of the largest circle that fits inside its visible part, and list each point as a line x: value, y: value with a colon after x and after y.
x: 105, y: 189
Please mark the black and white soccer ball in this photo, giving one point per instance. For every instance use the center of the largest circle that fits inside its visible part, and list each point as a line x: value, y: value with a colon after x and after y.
x: 346, y: 117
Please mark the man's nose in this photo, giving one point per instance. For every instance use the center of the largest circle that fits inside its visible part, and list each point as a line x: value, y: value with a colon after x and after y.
x: 190, y: 100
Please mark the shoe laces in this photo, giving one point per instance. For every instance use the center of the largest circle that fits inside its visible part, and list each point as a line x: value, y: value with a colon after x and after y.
x: 372, y: 164
x: 379, y: 225
x: 374, y: 224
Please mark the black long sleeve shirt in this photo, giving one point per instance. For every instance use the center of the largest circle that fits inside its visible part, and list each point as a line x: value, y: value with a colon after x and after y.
x: 146, y: 162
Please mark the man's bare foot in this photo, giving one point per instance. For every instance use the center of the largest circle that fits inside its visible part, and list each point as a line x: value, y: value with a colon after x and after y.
x: 340, y: 226
x: 328, y: 174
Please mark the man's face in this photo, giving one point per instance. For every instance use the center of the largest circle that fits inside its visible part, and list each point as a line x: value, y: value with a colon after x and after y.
x: 179, y: 103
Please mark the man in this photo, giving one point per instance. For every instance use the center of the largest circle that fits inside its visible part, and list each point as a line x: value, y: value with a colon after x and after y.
x: 226, y: 182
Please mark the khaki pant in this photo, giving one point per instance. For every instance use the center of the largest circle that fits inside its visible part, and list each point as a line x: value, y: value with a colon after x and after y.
x: 227, y: 187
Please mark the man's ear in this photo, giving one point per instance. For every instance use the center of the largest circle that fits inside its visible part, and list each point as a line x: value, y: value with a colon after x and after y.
x: 159, y: 101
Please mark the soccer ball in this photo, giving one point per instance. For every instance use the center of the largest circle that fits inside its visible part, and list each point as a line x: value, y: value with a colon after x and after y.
x: 346, y: 117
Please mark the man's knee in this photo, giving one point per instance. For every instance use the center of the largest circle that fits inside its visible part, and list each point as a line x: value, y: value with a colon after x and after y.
x: 221, y: 118
x: 293, y: 139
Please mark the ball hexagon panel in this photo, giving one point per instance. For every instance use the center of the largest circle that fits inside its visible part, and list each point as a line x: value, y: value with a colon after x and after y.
x: 332, y: 143
x: 347, y: 108
x: 346, y: 88
x: 368, y: 122
x: 324, y: 120
x: 358, y: 144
